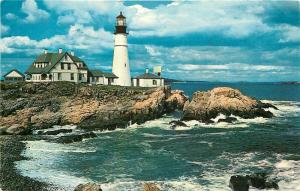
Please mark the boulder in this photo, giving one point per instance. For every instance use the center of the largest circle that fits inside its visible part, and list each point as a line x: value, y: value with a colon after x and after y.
x: 257, y: 180
x: 176, y: 100
x: 177, y: 123
x: 150, y: 187
x: 74, y: 138
x: 228, y: 120
x: 239, y: 183
x: 54, y: 132
x: 15, y: 129
x: 223, y: 100
x: 88, y: 187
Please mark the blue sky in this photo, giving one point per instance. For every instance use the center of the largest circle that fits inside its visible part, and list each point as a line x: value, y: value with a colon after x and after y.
x: 192, y: 40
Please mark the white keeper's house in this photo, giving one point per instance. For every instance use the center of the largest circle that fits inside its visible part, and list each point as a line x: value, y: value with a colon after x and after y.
x: 148, y: 80
x: 59, y: 66
x: 14, y: 76
x: 102, y: 78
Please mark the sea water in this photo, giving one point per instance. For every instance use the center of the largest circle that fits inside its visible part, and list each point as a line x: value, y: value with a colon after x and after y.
x: 197, y: 157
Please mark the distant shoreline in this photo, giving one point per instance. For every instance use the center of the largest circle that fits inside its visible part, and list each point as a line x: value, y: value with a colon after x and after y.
x: 279, y: 83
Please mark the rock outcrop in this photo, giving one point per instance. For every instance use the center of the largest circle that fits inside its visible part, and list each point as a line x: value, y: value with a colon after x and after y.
x: 258, y: 180
x: 26, y: 106
x: 177, y: 124
x: 74, y: 138
x: 150, y: 187
x: 223, y: 100
x: 176, y: 100
x: 239, y: 183
x: 88, y: 187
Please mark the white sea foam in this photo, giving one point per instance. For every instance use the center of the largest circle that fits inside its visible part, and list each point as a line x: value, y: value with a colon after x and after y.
x: 289, y: 173
x: 34, y: 147
x: 285, y: 164
x: 180, y: 184
x: 43, y: 157
x: 57, y: 127
x: 285, y: 108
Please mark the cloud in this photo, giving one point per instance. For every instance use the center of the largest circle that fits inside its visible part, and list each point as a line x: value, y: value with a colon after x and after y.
x: 222, y: 63
x: 152, y: 51
x: 10, y: 16
x: 233, y: 19
x: 64, y: 19
x: 230, y: 66
x: 234, y: 72
x: 4, y: 29
x: 83, y: 11
x: 78, y: 37
x: 34, y: 14
x: 230, y: 19
x: 289, y: 33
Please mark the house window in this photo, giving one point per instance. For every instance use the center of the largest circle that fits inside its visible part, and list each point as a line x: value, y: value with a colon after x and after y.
x: 154, y: 82
x: 58, y: 76
x: 62, y: 66
x: 72, y: 76
x: 66, y: 57
x: 80, y: 76
x: 112, y: 80
x: 69, y: 66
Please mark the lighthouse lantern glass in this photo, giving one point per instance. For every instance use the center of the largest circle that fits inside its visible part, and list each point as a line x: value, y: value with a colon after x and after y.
x: 121, y: 22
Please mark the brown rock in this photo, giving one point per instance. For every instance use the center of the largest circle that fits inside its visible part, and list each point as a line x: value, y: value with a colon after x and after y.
x: 42, y: 105
x: 88, y: 187
x: 207, y: 105
x: 177, y: 99
x: 150, y: 187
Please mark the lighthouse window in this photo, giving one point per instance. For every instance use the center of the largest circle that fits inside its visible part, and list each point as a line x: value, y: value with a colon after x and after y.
x: 125, y: 65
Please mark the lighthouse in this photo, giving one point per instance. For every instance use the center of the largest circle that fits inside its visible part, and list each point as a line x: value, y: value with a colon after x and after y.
x: 120, y: 60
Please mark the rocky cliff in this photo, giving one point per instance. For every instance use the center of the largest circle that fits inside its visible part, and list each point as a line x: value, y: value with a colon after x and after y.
x: 26, y: 106
x: 223, y: 100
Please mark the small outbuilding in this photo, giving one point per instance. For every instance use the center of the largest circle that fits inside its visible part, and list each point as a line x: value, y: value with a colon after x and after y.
x: 14, y: 76
x: 148, y: 80
x: 103, y: 78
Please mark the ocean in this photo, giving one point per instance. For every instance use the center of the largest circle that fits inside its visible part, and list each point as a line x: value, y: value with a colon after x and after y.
x: 197, y: 157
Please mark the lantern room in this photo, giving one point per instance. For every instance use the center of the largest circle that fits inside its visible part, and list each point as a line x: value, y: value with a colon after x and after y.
x: 120, y: 24
x: 121, y: 20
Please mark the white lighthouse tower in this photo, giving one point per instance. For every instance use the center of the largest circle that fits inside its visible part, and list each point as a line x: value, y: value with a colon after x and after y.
x: 120, y: 61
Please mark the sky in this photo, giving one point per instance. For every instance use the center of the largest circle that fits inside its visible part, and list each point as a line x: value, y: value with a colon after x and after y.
x: 257, y: 41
